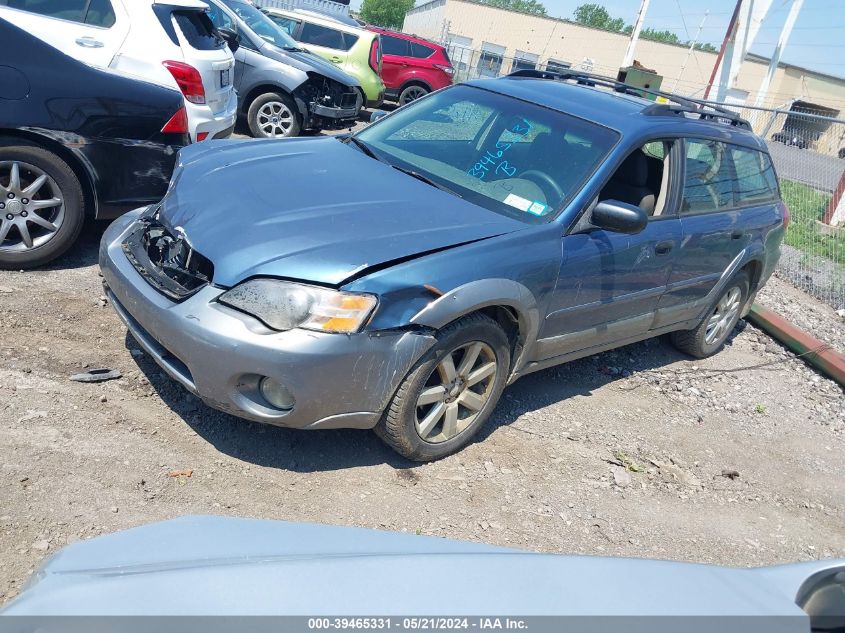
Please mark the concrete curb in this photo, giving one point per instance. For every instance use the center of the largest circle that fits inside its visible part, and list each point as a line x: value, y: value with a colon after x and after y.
x: 827, y: 360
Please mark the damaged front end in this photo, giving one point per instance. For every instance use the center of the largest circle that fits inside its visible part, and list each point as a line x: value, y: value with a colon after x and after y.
x: 326, y: 103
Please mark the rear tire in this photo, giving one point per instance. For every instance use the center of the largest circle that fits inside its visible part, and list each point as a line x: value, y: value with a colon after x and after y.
x: 719, y: 321
x: 34, y: 232
x: 451, y: 391
x: 412, y: 93
x: 273, y: 115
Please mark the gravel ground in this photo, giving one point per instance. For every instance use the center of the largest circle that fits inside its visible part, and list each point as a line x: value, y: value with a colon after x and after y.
x: 815, y: 317
x: 636, y: 452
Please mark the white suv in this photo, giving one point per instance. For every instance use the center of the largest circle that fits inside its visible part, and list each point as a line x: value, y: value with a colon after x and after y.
x: 171, y: 43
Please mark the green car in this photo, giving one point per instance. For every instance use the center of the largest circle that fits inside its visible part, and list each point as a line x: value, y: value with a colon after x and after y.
x: 356, y: 51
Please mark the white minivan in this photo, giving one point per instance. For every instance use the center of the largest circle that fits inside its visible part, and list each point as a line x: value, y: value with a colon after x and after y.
x: 171, y: 42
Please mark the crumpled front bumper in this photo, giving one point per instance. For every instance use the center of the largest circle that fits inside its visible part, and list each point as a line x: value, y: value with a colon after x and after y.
x: 337, y: 380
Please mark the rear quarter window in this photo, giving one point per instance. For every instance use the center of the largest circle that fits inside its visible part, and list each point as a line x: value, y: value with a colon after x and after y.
x: 756, y: 182
x: 420, y: 51
x: 198, y: 30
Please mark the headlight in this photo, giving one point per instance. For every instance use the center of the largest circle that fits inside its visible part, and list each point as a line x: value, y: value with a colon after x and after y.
x: 284, y: 305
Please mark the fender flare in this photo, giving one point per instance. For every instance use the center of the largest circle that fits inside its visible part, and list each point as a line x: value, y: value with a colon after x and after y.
x: 485, y: 293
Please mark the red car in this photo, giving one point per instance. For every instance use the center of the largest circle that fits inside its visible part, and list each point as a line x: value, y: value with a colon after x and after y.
x: 411, y: 67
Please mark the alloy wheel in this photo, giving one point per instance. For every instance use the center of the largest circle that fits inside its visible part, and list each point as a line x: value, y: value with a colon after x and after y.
x: 275, y: 119
x: 32, y: 207
x: 412, y: 94
x: 724, y: 316
x: 456, y: 392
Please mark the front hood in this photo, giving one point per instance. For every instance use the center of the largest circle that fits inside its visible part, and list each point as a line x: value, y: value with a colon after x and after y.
x: 228, y: 566
x: 311, y: 209
x: 308, y: 62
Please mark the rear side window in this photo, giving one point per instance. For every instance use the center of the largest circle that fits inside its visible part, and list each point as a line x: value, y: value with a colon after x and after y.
x: 709, y: 180
x: 73, y: 10
x: 420, y: 51
x: 322, y: 36
x: 286, y: 24
x: 394, y: 46
x: 198, y: 30
x: 755, y: 177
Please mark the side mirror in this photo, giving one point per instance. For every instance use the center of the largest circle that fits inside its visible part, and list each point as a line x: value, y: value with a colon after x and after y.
x: 376, y: 115
x: 231, y: 37
x: 619, y: 217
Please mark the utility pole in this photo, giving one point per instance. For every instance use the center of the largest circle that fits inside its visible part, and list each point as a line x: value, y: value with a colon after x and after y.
x: 635, y: 34
x: 782, y: 40
x: 730, y: 33
x: 691, y: 48
x: 743, y: 28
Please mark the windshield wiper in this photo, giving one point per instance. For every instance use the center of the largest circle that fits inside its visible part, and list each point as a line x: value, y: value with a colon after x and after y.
x: 294, y: 49
x: 427, y: 180
x: 365, y: 148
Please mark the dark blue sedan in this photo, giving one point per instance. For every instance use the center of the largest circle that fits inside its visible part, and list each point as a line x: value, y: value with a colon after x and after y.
x: 400, y: 278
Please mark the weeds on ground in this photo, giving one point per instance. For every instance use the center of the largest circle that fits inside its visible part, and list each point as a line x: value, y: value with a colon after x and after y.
x: 806, y: 205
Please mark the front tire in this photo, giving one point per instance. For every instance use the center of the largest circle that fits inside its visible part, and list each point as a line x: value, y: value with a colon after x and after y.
x: 42, y: 208
x: 273, y: 115
x: 451, y: 391
x: 720, y: 320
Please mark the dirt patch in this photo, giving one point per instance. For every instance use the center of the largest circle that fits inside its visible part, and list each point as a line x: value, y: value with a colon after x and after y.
x: 624, y: 454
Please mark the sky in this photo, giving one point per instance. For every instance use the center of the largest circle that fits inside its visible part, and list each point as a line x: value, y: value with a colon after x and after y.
x: 817, y: 41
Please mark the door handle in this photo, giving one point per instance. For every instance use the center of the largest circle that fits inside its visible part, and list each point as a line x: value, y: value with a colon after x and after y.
x: 89, y: 42
x: 336, y: 60
x: 663, y: 248
x: 735, y: 235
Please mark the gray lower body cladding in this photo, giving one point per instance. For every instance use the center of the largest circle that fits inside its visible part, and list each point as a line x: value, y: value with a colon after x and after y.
x: 219, y: 354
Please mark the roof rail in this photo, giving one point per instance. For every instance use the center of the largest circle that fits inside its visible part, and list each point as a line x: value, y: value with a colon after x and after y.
x: 682, y: 107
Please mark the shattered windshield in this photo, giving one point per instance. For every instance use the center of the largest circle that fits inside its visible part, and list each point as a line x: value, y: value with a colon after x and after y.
x: 507, y: 155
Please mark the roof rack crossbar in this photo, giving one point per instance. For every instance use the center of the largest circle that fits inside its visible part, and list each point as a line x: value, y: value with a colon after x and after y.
x: 685, y: 105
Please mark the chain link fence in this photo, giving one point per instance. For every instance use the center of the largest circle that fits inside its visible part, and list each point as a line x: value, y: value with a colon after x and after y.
x: 808, y: 150
x: 807, y: 146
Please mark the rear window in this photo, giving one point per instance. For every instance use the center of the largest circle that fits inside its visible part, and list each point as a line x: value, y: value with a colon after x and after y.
x: 420, y: 51
x: 755, y: 177
x: 198, y: 30
x: 394, y: 46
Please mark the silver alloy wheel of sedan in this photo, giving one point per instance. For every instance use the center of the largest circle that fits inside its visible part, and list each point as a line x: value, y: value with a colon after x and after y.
x: 275, y: 119
x: 412, y: 93
x: 724, y: 317
x: 32, y: 207
x: 456, y: 392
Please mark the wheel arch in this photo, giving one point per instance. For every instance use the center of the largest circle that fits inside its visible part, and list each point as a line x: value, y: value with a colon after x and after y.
x: 506, y: 301
x: 414, y: 81
x: 263, y: 88
x: 76, y: 162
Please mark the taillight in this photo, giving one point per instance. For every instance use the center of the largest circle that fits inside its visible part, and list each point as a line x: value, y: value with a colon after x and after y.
x: 188, y: 79
x: 446, y: 69
x: 178, y: 123
x: 201, y: 136
x: 787, y: 216
x: 375, y: 56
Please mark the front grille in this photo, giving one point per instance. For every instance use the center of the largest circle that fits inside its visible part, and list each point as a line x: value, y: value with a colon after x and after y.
x: 166, y: 261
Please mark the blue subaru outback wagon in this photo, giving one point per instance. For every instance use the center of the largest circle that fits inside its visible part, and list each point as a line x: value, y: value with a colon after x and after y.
x: 399, y: 278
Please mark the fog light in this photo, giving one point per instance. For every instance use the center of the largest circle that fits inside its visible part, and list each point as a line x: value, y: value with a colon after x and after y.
x: 276, y: 393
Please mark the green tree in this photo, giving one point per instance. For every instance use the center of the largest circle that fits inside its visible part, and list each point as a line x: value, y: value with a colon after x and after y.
x: 387, y: 13
x: 596, y: 16
x: 660, y: 36
x: 523, y: 6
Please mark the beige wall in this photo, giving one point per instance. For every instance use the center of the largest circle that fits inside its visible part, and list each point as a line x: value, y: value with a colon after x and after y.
x: 565, y: 41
